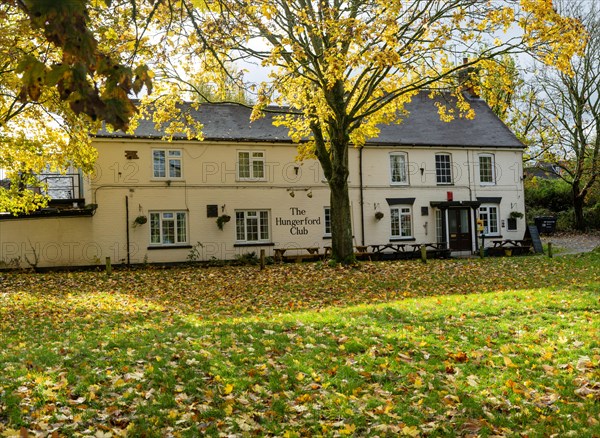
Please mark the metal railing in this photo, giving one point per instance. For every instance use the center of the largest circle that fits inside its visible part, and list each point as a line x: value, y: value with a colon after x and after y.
x: 67, y: 186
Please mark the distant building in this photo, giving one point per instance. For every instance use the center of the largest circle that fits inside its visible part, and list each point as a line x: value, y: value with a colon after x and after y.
x: 543, y: 170
x: 151, y: 200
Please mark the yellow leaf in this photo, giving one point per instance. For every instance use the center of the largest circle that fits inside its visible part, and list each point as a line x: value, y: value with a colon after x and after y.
x: 300, y: 376
x: 228, y: 388
x: 348, y: 429
x: 418, y: 382
x: 410, y: 431
x: 508, y: 362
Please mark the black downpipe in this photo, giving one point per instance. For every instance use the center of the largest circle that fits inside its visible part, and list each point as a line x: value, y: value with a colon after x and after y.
x: 127, y: 227
x: 362, y: 204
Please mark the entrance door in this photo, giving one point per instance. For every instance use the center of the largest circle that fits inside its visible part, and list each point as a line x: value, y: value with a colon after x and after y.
x: 459, y: 225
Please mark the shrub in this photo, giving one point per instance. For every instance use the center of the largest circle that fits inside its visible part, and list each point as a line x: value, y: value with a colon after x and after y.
x: 552, y: 194
x: 565, y: 220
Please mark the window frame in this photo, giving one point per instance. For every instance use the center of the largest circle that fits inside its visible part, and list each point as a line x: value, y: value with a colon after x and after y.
x: 485, y: 217
x: 263, y: 220
x: 400, y: 213
x: 438, y: 170
x: 168, y: 175
x: 327, y: 221
x: 492, y: 175
x: 406, y: 181
x: 178, y: 232
x: 251, y: 161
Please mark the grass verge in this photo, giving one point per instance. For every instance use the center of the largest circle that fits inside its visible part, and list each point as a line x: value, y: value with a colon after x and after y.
x: 493, y: 347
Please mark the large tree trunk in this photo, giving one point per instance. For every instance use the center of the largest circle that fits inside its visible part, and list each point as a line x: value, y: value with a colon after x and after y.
x: 341, y: 222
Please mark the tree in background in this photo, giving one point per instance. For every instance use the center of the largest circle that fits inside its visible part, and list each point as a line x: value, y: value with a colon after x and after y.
x: 560, y: 114
x: 345, y: 67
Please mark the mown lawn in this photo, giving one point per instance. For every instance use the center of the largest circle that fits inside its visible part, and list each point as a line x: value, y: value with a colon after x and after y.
x: 495, y: 347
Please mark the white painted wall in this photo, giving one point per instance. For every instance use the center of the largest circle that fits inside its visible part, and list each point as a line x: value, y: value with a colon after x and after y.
x: 209, y: 178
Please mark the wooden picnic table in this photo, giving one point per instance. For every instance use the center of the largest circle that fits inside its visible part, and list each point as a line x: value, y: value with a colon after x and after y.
x: 515, y: 246
x: 509, y: 242
x: 297, y: 254
x: 395, y: 247
x: 359, y: 251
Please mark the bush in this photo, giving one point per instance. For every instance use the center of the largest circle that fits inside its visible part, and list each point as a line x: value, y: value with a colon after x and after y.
x: 565, y: 220
x: 592, y: 216
x: 534, y: 212
x: 551, y: 194
x: 249, y: 258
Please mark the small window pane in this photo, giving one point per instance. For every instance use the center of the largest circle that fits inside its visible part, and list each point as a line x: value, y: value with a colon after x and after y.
x: 181, y: 228
x: 398, y: 168
x: 168, y: 231
x: 395, y: 217
x: 258, y: 169
x: 264, y: 225
x: 159, y: 164
x: 443, y: 169
x: 154, y: 228
x: 327, y: 221
x: 240, y: 226
x: 244, y: 165
x: 175, y: 168
x: 486, y: 169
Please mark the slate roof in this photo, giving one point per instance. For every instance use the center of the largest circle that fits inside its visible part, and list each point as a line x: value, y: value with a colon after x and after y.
x: 422, y: 127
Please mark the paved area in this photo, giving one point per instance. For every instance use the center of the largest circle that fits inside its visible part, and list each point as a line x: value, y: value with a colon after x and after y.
x: 573, y: 243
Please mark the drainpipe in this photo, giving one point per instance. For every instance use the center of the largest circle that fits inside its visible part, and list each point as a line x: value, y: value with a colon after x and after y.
x: 362, y: 204
x: 127, y: 228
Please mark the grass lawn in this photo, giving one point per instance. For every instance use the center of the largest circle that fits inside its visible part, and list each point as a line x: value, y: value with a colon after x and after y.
x: 494, y: 347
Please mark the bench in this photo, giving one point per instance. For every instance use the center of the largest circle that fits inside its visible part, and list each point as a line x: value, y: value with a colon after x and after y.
x: 360, y: 252
x: 297, y: 254
x: 515, y: 247
x: 409, y: 250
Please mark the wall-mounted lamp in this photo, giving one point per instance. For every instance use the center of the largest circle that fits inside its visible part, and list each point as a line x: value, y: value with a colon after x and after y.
x: 296, y: 169
x: 292, y: 192
x: 222, y: 208
x: 422, y: 169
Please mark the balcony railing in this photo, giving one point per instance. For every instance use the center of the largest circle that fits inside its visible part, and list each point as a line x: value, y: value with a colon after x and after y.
x: 62, y: 187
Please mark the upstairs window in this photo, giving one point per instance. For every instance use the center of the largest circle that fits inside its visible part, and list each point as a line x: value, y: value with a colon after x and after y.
x: 166, y: 163
x: 251, y: 165
x: 399, y: 168
x: 486, y: 169
x: 443, y: 168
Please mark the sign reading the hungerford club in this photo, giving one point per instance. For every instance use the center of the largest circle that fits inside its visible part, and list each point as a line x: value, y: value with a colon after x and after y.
x: 298, y: 222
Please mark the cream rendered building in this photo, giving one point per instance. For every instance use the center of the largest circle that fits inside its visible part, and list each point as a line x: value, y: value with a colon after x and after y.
x: 152, y: 200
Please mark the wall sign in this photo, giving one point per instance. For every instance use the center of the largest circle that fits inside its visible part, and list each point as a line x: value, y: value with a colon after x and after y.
x: 298, y: 222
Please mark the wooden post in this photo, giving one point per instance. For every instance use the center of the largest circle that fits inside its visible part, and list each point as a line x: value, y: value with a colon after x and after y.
x: 423, y: 254
x: 550, y: 249
x: 481, y: 251
x: 262, y: 259
x: 108, y: 266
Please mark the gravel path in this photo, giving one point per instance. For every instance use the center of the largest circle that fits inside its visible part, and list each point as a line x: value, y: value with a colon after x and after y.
x: 573, y: 243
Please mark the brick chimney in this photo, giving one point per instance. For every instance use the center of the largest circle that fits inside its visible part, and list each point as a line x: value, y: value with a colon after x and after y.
x: 464, y: 78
